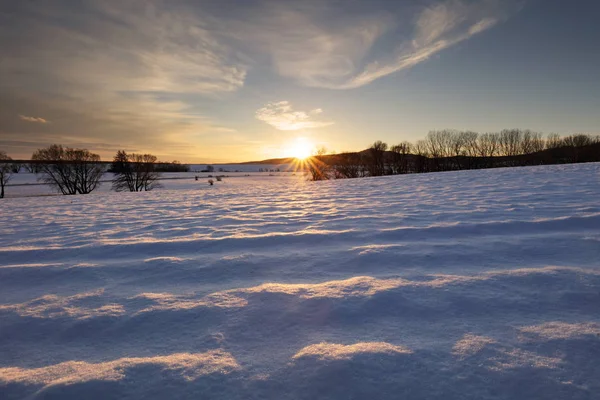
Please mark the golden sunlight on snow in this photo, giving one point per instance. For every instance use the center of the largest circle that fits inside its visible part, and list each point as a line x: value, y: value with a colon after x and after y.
x: 189, y: 366
x: 332, y: 351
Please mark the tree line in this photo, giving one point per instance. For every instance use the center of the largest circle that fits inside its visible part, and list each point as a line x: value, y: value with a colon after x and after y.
x: 78, y: 171
x: 451, y: 150
x: 72, y: 171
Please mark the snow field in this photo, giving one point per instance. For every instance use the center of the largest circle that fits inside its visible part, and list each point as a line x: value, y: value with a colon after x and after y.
x: 460, y: 285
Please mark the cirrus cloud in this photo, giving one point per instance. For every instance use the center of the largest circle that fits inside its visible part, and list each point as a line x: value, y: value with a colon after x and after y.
x: 319, y: 46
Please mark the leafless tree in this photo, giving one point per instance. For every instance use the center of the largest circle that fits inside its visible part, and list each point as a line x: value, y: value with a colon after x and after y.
x: 6, y: 171
x: 348, y: 165
x: 531, y: 142
x: 466, y: 149
x: 377, y: 158
x: 319, y: 170
x: 436, y: 146
x: 575, y: 144
x: 69, y: 170
x: 510, y: 142
x: 134, y: 172
x: 470, y: 143
x: 422, y: 154
x: 487, y: 147
x: 553, y: 141
x: 441, y: 145
x: 400, y: 153
x: 578, y: 140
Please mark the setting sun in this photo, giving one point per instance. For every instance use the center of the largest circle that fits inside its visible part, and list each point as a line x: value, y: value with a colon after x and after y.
x: 300, y: 149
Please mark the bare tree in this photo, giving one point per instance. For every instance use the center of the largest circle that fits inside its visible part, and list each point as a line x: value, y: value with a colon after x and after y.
x: 422, y: 154
x: 487, y: 147
x: 441, y: 146
x: 319, y: 170
x: 347, y: 165
x: 553, y: 141
x: 377, y: 158
x: 69, y: 170
x: 400, y: 154
x: 470, y: 143
x: 510, y: 142
x: 6, y: 171
x: 574, y: 145
x: 467, y: 150
x: 578, y: 140
x: 531, y: 142
x: 134, y: 172
x: 538, y: 143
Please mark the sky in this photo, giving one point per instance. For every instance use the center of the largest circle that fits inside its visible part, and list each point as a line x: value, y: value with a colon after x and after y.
x: 228, y: 81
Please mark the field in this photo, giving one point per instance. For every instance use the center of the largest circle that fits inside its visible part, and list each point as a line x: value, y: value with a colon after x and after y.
x: 26, y: 184
x: 459, y: 285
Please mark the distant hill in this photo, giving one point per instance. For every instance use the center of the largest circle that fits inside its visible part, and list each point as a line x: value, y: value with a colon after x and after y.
x: 271, y: 161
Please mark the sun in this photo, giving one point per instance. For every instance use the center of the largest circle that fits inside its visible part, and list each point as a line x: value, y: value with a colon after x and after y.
x: 300, y: 148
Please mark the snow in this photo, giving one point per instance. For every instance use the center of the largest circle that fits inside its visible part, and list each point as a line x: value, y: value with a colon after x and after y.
x: 26, y: 184
x: 459, y: 285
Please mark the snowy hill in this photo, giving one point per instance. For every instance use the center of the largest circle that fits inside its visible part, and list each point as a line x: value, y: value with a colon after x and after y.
x: 460, y: 285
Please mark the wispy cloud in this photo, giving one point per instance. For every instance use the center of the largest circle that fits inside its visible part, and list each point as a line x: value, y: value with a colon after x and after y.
x: 437, y: 28
x: 281, y: 116
x: 126, y: 72
x: 33, y: 119
x: 355, y: 50
x: 316, y: 44
x: 133, y: 72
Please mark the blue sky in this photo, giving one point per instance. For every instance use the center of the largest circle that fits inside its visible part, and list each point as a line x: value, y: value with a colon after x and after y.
x: 225, y: 81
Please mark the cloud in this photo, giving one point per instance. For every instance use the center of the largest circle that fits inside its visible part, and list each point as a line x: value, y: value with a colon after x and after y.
x: 283, y: 117
x: 314, y: 44
x: 33, y: 119
x: 137, y: 74
x: 127, y: 73
x: 323, y: 47
x: 437, y: 28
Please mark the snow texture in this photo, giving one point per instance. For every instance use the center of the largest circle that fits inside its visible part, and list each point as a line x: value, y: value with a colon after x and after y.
x: 459, y: 285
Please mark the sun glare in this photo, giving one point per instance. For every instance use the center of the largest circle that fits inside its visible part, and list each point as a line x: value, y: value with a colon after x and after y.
x: 300, y: 149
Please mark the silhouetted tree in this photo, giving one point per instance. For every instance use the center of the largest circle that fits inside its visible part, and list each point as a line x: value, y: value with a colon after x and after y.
x: 510, y: 142
x: 421, y: 160
x: 466, y: 149
x: 487, y: 147
x: 553, y: 141
x: 6, y: 171
x: 376, y: 165
x: 348, y: 165
x: 69, y: 170
x: 173, y: 166
x: 318, y: 169
x: 134, y: 172
x: 400, y: 153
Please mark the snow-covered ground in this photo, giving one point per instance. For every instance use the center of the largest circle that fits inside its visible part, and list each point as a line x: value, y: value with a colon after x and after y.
x: 461, y: 285
x: 26, y: 184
